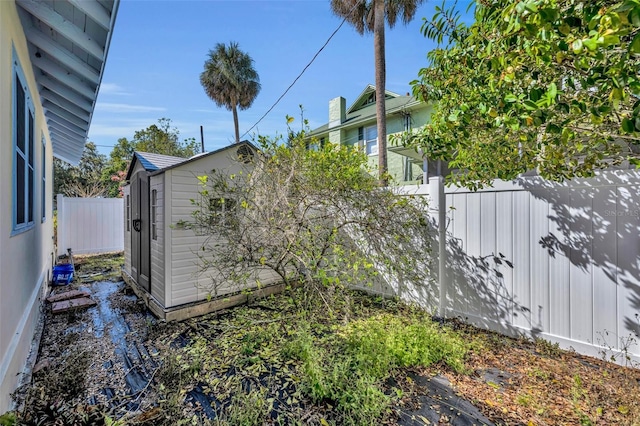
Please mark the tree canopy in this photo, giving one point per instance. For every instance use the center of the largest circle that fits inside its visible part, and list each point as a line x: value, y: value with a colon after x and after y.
x: 83, y: 180
x: 161, y: 138
x: 545, y: 85
x: 230, y: 79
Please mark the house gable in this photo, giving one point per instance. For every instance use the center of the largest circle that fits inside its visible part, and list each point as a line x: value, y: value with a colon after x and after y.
x: 368, y: 98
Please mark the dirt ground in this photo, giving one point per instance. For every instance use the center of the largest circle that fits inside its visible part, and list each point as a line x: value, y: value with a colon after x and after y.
x: 114, y: 364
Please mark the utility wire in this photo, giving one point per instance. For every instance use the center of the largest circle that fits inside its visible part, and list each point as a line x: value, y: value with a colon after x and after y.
x: 299, y: 75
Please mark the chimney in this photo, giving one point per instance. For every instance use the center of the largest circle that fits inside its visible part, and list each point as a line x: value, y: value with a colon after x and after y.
x: 337, y: 111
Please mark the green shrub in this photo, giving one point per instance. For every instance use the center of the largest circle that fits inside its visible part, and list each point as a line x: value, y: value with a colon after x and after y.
x: 349, y: 370
x: 385, y: 341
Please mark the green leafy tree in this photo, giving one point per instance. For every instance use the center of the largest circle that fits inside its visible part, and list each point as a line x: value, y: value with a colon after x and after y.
x: 545, y: 85
x: 83, y: 180
x: 162, y: 138
x: 230, y: 79
x: 370, y: 16
x: 313, y: 217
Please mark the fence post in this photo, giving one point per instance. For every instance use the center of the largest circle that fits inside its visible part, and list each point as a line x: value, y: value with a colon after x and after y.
x: 438, y: 212
x: 60, y: 232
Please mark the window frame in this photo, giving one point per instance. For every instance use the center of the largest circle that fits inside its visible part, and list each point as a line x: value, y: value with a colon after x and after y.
x: 154, y: 214
x: 43, y: 188
x: 27, y: 154
x: 370, y: 145
x: 128, y: 211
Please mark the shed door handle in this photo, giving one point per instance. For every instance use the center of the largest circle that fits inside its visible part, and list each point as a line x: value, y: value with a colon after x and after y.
x: 136, y: 224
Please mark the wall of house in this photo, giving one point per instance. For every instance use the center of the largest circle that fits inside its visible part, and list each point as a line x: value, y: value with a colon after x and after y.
x: 184, y: 282
x: 26, y: 257
x: 396, y: 163
x: 158, y: 288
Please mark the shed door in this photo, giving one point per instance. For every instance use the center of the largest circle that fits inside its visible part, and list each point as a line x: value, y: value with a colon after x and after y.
x: 140, y: 235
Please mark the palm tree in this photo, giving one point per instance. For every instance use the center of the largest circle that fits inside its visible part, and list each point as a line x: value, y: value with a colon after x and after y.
x: 230, y: 80
x: 369, y: 16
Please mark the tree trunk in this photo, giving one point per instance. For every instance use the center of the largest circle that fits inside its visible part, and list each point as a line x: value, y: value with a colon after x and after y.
x: 380, y: 67
x: 235, y: 122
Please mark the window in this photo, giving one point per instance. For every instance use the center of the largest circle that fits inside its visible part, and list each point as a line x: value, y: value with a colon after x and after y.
x: 221, y: 210
x: 128, y: 213
x: 154, y: 216
x: 368, y: 137
x: 43, y: 190
x: 23, y: 148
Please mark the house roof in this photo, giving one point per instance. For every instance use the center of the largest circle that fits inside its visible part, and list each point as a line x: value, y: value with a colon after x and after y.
x: 362, y: 98
x: 360, y: 112
x: 68, y: 42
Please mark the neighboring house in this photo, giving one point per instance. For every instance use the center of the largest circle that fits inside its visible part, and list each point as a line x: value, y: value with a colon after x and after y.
x: 357, y: 126
x: 161, y: 262
x: 52, y: 56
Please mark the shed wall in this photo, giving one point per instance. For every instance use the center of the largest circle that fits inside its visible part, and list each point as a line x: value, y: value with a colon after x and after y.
x: 127, y: 227
x: 185, y: 283
x: 158, y: 240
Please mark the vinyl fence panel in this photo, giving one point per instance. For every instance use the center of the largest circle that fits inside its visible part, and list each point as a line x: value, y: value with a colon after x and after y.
x: 559, y: 261
x: 90, y: 225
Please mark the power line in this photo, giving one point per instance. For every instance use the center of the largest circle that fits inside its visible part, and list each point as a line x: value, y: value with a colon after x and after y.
x: 299, y: 75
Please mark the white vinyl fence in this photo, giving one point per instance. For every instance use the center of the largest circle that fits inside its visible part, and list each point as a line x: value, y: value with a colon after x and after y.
x: 560, y: 261
x: 90, y: 225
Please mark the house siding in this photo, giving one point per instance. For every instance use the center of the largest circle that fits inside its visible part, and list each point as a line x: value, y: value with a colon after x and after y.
x: 400, y: 167
x: 25, y: 258
x: 157, y: 245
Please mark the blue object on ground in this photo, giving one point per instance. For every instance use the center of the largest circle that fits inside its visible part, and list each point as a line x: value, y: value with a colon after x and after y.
x: 62, y: 274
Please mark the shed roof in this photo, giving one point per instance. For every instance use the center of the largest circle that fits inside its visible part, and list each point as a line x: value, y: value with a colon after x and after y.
x: 152, y: 162
x: 205, y: 155
x: 159, y: 163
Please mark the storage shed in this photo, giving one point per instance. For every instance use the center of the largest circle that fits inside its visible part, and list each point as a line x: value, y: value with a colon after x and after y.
x: 161, y: 264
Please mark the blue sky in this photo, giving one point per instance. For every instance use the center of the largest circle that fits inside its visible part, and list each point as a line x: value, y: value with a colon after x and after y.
x: 158, y: 50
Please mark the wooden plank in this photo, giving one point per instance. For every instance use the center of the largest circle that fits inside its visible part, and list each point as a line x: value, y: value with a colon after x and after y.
x: 68, y: 305
x: 73, y: 294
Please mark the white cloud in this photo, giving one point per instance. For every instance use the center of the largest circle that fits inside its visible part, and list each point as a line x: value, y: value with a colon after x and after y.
x: 112, y: 89
x: 127, y: 108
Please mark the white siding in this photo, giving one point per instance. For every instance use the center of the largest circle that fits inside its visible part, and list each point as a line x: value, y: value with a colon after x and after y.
x: 158, y: 244
x: 186, y: 284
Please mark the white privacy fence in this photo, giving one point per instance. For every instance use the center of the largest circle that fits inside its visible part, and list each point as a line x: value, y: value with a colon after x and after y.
x: 90, y: 225
x: 559, y: 261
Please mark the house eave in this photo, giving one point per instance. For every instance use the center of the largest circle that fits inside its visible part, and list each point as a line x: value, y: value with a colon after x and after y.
x: 68, y: 42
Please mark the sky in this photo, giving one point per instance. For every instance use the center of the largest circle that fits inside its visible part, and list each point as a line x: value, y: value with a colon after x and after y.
x: 158, y: 50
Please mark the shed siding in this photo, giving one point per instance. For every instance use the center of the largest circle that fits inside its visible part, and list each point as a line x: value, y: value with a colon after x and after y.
x: 185, y: 283
x: 158, y: 244
x: 126, y: 192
